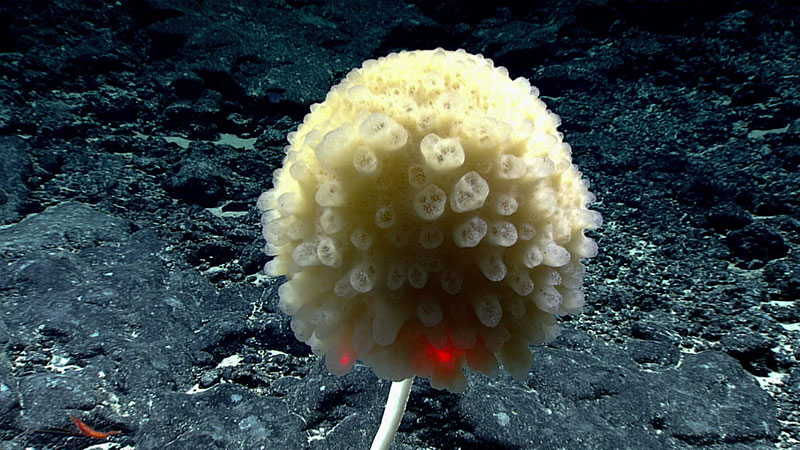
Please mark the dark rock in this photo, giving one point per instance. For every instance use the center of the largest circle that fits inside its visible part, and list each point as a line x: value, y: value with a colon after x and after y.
x: 198, y: 181
x: 15, y: 169
x: 757, y: 241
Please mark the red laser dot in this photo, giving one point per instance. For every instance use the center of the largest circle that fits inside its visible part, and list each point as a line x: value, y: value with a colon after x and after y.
x: 345, y: 360
x: 444, y: 356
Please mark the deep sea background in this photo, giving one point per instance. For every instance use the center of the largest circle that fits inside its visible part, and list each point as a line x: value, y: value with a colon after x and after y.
x: 136, y: 135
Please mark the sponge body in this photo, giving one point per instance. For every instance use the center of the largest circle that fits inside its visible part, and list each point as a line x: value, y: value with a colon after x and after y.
x: 428, y: 217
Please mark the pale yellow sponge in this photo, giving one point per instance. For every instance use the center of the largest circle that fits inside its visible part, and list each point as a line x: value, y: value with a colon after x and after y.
x: 428, y: 217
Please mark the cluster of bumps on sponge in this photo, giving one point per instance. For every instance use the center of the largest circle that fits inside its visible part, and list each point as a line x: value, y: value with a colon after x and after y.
x: 428, y: 217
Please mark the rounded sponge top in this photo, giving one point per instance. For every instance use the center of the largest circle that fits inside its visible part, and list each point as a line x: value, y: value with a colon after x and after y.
x: 428, y: 217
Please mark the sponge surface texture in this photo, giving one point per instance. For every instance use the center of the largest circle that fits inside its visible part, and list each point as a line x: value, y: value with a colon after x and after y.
x: 428, y: 217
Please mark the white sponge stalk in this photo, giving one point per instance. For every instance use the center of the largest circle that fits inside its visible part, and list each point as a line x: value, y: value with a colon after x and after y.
x: 395, y: 408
